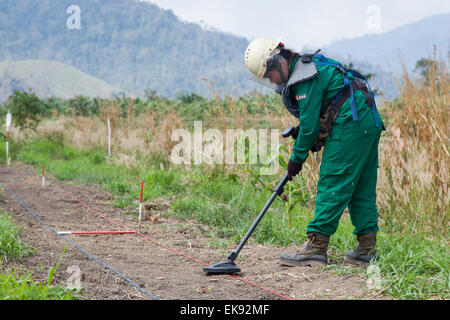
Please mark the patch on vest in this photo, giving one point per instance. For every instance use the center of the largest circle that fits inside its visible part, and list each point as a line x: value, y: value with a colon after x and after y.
x: 301, y: 97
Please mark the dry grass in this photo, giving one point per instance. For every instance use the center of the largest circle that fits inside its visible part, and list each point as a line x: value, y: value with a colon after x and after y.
x: 414, y: 156
x: 130, y: 136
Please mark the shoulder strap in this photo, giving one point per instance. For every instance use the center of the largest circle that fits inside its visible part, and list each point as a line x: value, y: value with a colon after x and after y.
x: 345, y: 71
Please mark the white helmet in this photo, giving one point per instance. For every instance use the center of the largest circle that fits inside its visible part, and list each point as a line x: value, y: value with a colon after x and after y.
x: 258, y: 52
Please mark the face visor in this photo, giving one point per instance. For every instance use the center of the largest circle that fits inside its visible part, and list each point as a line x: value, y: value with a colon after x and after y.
x: 266, y: 83
x: 272, y: 63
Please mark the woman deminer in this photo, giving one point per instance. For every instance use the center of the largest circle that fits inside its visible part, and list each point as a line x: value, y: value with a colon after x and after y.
x: 336, y: 111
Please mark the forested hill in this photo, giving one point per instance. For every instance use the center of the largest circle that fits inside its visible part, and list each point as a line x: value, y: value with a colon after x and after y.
x: 131, y: 45
x: 406, y: 44
x: 134, y: 46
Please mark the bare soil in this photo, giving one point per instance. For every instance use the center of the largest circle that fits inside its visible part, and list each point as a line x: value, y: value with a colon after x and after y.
x: 163, y: 273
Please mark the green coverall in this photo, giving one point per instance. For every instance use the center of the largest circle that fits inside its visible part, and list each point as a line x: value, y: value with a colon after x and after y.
x: 348, y: 172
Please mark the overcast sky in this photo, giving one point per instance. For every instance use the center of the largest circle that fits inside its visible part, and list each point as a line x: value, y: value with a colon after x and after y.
x: 304, y: 22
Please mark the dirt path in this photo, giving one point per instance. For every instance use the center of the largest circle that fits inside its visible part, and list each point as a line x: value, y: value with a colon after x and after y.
x: 160, y: 272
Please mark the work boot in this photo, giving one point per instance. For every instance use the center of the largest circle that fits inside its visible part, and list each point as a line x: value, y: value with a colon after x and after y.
x: 365, y: 251
x: 315, y: 252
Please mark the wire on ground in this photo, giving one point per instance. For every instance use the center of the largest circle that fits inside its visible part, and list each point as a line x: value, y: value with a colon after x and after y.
x: 75, y: 245
x: 166, y: 247
x: 161, y: 245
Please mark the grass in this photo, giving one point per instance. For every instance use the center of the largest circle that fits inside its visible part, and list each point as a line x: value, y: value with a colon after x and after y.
x: 15, y: 285
x: 11, y: 247
x: 19, y: 285
x: 410, y: 266
x: 414, y: 267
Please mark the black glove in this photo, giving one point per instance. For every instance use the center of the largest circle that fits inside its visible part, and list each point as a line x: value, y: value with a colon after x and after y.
x: 293, y: 169
x: 315, y: 148
x: 294, y: 134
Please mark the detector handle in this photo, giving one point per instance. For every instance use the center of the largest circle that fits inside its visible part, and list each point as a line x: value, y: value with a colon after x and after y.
x: 277, y: 192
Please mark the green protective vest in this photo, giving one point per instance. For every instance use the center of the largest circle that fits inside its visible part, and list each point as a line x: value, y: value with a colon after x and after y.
x: 304, y: 94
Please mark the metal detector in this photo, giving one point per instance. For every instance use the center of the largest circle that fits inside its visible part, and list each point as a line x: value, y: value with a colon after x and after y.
x: 229, y: 267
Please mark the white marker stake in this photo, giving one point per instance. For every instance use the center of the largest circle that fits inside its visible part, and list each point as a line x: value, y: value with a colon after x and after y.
x: 8, y: 124
x: 8, y: 121
x: 109, y: 138
x: 140, y: 206
x: 7, y: 147
x: 95, y: 232
x: 43, y: 176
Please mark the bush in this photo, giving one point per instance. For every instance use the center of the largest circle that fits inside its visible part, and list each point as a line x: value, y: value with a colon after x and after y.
x: 26, y: 109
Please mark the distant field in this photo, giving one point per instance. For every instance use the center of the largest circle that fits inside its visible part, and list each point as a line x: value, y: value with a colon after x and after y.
x: 50, y: 78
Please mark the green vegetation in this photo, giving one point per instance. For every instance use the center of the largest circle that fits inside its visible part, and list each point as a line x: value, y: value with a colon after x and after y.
x: 15, y: 285
x: 414, y: 266
x: 11, y: 247
x: 26, y: 109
